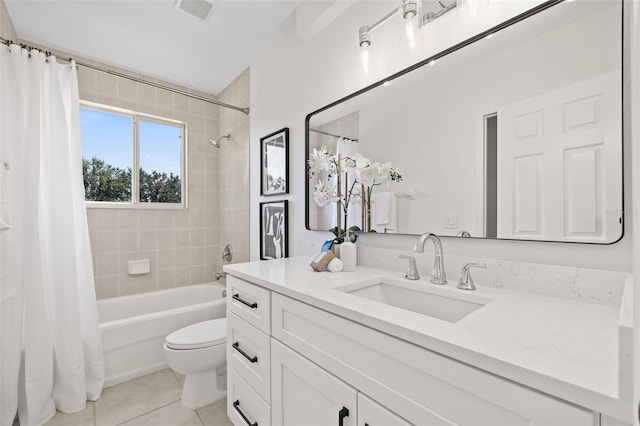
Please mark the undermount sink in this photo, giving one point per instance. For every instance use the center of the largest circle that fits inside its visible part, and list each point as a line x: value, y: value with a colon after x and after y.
x: 419, y: 297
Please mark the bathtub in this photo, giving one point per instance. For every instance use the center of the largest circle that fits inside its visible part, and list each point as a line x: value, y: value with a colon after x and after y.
x: 133, y: 328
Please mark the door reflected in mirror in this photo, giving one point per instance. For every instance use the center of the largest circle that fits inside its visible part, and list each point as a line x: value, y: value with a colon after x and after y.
x: 514, y: 137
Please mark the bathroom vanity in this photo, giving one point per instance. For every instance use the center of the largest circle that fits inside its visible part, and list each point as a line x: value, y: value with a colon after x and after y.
x: 371, y: 348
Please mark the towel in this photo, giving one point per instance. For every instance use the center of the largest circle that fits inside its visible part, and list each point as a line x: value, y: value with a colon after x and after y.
x: 384, y: 212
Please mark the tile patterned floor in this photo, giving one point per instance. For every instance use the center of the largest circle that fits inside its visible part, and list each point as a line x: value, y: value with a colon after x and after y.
x: 152, y: 400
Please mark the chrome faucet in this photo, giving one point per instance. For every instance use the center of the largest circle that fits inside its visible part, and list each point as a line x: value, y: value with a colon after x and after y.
x: 412, y: 271
x: 438, y: 275
x: 466, y: 282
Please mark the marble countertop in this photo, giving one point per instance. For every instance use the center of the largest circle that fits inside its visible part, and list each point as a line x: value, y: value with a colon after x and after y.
x: 564, y: 348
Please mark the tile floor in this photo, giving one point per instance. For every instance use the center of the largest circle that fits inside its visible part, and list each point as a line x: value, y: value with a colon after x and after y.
x: 152, y: 400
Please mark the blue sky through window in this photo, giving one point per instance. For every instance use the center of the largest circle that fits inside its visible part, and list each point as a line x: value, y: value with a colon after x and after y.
x: 160, y: 147
x: 107, y: 136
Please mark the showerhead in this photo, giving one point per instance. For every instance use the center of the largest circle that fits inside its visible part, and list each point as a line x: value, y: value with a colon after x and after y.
x: 217, y: 142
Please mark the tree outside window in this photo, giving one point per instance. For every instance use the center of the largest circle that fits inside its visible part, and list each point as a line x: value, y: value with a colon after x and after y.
x: 114, y: 140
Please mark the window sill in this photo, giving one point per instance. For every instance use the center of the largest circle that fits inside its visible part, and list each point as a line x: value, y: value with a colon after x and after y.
x: 132, y: 206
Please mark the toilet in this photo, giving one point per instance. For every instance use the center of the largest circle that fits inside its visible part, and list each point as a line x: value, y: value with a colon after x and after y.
x: 198, y: 351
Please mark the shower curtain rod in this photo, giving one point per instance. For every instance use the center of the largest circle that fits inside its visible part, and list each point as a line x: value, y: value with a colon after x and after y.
x: 322, y: 132
x: 137, y: 80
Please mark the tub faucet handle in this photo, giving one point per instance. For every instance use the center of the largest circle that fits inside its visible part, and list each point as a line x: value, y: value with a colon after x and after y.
x: 412, y: 271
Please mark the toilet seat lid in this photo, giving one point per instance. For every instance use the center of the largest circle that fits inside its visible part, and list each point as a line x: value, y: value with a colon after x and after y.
x: 199, y: 335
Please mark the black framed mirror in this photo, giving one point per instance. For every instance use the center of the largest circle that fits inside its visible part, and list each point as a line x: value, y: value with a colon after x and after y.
x: 513, y: 134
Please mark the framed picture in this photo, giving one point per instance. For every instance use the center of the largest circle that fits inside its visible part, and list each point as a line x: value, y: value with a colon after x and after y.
x: 273, y: 230
x: 274, y: 163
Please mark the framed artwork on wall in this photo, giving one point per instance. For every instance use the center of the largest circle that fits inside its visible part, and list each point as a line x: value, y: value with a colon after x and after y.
x: 274, y: 230
x: 274, y: 163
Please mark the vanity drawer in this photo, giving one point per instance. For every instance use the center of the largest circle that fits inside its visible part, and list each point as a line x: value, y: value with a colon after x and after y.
x: 244, y: 405
x: 249, y: 302
x: 249, y: 354
x: 412, y: 381
x: 370, y: 413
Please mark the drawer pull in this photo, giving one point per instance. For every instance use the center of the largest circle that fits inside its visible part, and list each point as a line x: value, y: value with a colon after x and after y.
x: 252, y: 359
x: 344, y: 412
x: 253, y: 305
x: 236, y: 405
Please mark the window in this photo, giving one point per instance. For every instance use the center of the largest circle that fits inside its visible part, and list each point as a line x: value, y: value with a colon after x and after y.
x: 131, y: 159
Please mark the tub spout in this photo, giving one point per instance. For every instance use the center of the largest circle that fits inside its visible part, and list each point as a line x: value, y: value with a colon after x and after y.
x: 221, y: 275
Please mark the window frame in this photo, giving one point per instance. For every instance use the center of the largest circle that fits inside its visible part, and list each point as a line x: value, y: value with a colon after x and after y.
x: 135, y: 202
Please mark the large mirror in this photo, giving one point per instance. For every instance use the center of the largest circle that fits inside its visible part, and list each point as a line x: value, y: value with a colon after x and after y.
x: 516, y: 136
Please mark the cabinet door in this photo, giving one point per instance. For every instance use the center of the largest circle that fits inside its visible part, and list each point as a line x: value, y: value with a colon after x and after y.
x: 370, y: 413
x: 304, y: 394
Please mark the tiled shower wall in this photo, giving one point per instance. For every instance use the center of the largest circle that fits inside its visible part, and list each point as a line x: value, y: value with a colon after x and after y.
x: 233, y: 171
x: 183, y: 246
x: 179, y: 243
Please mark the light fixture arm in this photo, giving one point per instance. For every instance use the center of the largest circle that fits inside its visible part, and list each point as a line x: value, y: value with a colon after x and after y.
x: 364, y: 33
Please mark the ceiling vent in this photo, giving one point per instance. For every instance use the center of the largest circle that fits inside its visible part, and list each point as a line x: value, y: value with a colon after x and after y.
x: 201, y: 9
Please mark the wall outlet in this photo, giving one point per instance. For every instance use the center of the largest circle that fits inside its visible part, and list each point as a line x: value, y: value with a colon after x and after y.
x: 450, y: 221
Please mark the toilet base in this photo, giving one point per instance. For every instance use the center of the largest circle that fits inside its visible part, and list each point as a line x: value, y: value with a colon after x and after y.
x: 201, y: 389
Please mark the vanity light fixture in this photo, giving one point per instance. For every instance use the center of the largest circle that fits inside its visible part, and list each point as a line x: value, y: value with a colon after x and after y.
x: 364, y: 39
x: 410, y: 15
x: 412, y: 19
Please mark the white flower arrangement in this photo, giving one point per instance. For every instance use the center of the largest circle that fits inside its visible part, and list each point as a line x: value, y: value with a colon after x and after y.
x: 366, y: 174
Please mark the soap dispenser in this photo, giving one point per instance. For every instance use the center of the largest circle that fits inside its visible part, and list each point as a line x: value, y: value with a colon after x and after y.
x: 348, y: 254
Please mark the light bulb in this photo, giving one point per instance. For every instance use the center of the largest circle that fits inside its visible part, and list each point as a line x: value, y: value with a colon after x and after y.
x: 409, y: 16
x: 410, y: 30
x: 364, y: 57
x: 364, y: 41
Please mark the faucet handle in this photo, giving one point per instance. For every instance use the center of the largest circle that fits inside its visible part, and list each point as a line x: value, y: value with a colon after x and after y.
x: 466, y: 282
x: 412, y: 271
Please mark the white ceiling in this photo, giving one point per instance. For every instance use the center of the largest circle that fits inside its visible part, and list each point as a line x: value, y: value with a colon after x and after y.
x: 153, y: 38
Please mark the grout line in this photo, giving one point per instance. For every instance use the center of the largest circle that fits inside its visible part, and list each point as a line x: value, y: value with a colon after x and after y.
x: 201, y: 420
x: 150, y: 411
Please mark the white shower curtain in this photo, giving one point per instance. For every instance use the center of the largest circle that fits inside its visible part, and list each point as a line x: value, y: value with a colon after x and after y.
x: 46, y: 253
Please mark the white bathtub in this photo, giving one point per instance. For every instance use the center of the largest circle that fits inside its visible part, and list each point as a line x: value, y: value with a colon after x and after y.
x: 134, y: 327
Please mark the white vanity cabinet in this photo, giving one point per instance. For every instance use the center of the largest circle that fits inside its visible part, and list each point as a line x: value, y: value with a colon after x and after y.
x: 421, y: 386
x: 329, y: 370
